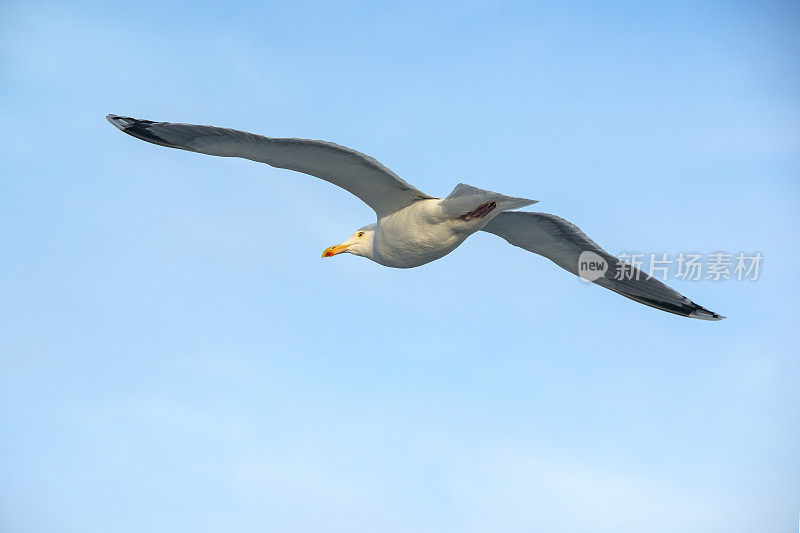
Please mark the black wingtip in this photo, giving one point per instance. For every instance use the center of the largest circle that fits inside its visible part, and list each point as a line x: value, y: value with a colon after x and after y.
x: 688, y: 309
x: 138, y: 128
x: 118, y: 121
x: 704, y: 314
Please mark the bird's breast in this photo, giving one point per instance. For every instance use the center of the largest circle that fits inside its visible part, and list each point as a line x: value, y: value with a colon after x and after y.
x: 415, y: 235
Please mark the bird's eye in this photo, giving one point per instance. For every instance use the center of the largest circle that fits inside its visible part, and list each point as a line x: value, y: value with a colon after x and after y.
x: 360, y: 233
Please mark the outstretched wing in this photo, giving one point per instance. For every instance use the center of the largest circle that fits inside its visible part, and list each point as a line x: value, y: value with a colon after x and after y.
x: 373, y: 183
x: 563, y: 243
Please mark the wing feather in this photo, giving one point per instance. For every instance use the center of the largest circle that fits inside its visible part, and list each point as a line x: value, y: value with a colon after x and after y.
x: 377, y: 186
x: 563, y: 242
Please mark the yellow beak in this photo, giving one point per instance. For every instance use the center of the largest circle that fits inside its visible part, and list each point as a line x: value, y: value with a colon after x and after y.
x: 333, y: 250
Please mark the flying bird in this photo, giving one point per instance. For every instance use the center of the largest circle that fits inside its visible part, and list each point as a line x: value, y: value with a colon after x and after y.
x: 413, y: 228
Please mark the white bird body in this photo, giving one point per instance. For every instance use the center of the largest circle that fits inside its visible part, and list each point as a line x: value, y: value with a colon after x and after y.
x: 415, y: 235
x: 432, y: 228
x: 412, y: 228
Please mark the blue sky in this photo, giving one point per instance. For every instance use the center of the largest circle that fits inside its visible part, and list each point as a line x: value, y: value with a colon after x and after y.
x: 177, y: 357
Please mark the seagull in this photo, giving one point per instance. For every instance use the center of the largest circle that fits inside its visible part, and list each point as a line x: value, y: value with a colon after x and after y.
x: 413, y: 228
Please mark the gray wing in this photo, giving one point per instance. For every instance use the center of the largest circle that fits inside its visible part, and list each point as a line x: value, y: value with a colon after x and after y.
x: 563, y: 243
x: 373, y: 183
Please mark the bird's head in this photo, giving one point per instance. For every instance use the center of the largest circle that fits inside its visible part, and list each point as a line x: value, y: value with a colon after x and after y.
x: 359, y: 243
